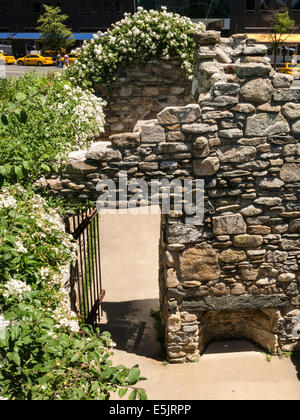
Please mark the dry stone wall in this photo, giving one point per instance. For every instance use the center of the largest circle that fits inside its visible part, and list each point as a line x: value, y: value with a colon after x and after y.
x: 141, y: 91
x: 237, y: 273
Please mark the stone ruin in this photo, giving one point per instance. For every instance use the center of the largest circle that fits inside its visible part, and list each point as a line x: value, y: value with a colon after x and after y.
x: 236, y: 275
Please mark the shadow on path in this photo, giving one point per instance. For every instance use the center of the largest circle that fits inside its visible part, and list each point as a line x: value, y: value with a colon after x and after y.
x: 231, y: 346
x: 296, y: 361
x: 132, y: 327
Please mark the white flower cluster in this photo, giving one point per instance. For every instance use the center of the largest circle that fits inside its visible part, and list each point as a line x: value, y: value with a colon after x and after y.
x: 20, y: 247
x: 81, y: 109
x: 3, y: 323
x: 6, y: 200
x: 63, y: 315
x: 16, y: 288
x: 45, y: 231
x: 142, y: 35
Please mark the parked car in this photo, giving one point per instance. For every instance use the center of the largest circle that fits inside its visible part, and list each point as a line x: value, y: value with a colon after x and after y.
x: 35, y: 60
x: 7, y: 59
x: 288, y: 68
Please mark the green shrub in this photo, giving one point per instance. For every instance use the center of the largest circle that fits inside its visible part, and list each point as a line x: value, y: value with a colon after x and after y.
x: 44, y: 352
x: 43, y: 118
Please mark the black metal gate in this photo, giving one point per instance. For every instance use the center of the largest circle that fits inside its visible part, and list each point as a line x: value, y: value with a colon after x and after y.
x: 87, y: 272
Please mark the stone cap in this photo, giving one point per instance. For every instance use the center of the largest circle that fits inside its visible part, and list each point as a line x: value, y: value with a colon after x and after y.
x: 207, y: 38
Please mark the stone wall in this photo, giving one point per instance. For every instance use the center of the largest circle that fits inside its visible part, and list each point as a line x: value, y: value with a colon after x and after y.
x: 237, y: 273
x: 141, y: 91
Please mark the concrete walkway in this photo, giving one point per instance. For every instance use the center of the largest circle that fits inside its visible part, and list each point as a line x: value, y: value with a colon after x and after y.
x: 234, y: 370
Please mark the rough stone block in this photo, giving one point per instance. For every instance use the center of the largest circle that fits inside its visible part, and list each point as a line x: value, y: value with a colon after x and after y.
x: 247, y: 241
x: 290, y: 172
x: 237, y: 154
x: 200, y: 264
x: 231, y: 224
x: 206, y: 167
x: 179, y: 115
x: 125, y: 140
x: 266, y: 124
x: 152, y: 133
x: 252, y: 69
x: 258, y: 91
x: 287, y: 95
x: 103, y: 151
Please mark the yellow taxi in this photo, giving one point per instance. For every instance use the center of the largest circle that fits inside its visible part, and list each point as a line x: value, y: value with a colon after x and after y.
x: 35, y: 60
x: 52, y: 53
x: 289, y: 68
x: 7, y: 59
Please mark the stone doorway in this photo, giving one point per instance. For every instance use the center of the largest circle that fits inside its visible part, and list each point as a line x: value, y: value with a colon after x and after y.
x: 130, y: 270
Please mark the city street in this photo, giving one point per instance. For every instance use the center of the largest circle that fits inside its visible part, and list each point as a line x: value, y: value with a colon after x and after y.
x: 296, y: 83
x: 16, y: 71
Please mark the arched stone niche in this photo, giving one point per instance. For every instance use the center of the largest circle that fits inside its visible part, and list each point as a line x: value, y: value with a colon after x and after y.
x: 241, y: 263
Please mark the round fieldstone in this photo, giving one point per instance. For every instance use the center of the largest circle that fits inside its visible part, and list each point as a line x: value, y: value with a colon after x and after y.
x: 257, y: 91
x: 206, y: 167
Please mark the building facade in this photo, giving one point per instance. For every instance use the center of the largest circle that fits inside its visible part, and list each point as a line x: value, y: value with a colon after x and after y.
x: 90, y: 16
x: 250, y: 15
x: 87, y: 16
x: 94, y: 15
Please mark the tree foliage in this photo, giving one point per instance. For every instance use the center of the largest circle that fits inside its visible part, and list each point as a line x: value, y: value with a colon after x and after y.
x: 55, y: 35
x: 281, y: 26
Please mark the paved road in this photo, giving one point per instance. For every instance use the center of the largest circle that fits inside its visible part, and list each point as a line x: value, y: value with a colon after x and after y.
x: 16, y: 71
x: 296, y: 84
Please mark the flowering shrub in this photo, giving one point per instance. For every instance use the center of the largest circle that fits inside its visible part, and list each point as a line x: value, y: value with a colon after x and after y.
x: 144, y: 35
x: 42, y: 118
x: 44, y: 353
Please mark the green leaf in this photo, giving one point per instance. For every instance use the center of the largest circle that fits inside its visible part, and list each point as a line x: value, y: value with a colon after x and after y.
x: 133, y: 395
x: 122, y: 392
x: 54, y: 168
x: 23, y: 116
x: 19, y: 171
x: 21, y: 96
x: 27, y: 165
x: 142, y: 394
x: 13, y: 356
x: 5, y: 170
x: 14, y: 331
x: 133, y: 375
x: 108, y: 373
x: 45, y: 168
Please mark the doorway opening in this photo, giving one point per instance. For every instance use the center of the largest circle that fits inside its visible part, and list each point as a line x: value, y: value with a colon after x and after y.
x: 130, y: 246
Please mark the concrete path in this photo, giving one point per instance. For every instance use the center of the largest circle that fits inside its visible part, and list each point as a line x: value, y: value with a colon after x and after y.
x: 234, y: 370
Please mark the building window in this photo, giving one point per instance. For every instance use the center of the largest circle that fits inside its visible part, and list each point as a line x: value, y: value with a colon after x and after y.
x: 250, y: 6
x: 37, y: 8
x: 94, y: 7
x: 27, y: 8
x: 3, y: 7
x: 280, y: 4
x: 296, y: 5
x: 112, y: 6
x: 265, y: 5
x: 91, y: 7
x: 84, y: 7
